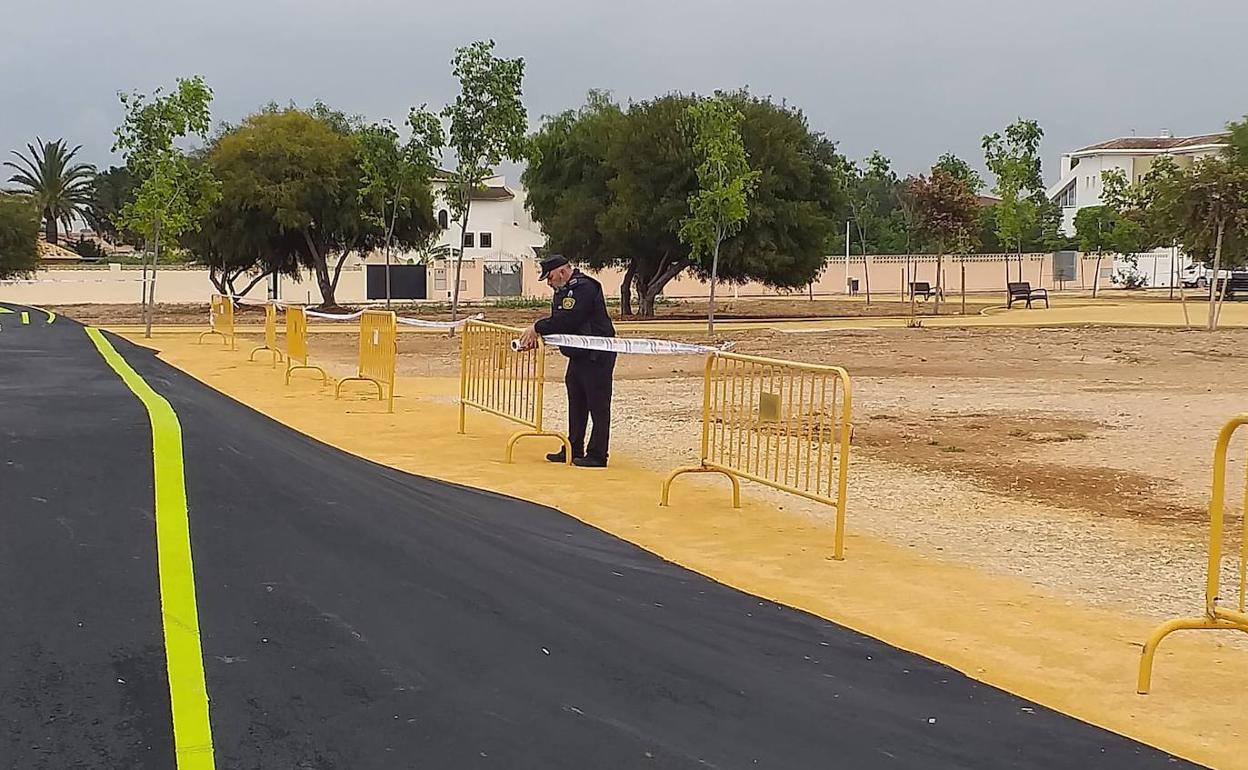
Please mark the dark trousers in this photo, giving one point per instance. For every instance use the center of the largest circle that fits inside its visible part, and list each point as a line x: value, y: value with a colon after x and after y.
x: 589, y: 395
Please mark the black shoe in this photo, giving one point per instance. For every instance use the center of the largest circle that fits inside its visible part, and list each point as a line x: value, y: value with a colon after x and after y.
x: 589, y: 462
x: 562, y: 457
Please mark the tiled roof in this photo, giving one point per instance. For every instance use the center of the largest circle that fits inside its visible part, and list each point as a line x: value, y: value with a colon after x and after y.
x: 1157, y: 143
x: 492, y: 194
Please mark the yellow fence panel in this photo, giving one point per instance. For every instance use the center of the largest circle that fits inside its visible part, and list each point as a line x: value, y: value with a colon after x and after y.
x: 220, y: 319
x: 270, y: 334
x: 780, y: 423
x: 1218, y: 616
x: 378, y: 347
x: 504, y: 382
x: 297, y: 343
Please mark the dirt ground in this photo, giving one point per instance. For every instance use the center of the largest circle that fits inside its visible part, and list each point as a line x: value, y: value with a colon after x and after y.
x: 1076, y: 457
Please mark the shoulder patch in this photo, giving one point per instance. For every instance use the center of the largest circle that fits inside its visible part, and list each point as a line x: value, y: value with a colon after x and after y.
x: 569, y: 302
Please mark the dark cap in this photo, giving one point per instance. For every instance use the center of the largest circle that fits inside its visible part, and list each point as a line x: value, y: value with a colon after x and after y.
x: 553, y: 262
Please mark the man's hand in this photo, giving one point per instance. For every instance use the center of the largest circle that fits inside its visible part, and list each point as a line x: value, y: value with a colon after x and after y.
x: 528, y: 339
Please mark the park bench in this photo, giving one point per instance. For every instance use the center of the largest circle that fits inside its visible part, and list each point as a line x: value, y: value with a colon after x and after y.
x: 1236, y: 284
x: 1021, y: 291
x: 924, y: 289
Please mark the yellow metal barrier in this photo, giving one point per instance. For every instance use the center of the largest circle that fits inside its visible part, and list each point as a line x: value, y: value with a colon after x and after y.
x: 504, y: 382
x: 270, y: 334
x: 1216, y: 617
x: 297, y: 344
x: 378, y: 341
x: 779, y: 423
x: 221, y: 319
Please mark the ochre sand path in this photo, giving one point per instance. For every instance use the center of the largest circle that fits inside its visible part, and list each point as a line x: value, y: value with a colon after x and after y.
x: 1053, y: 649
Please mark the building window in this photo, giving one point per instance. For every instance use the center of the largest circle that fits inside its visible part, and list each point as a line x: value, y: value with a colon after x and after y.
x: 439, y: 279
x: 468, y: 239
x: 487, y: 240
x: 444, y: 220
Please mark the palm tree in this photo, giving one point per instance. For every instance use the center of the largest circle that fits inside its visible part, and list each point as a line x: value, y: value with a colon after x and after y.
x: 61, y: 189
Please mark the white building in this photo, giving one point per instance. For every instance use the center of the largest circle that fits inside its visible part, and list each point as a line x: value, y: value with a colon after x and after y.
x: 1080, y: 184
x: 499, y: 227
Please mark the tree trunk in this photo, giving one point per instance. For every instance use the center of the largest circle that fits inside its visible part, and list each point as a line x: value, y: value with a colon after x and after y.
x: 459, y: 261
x: 394, y: 218
x: 321, y: 270
x: 147, y: 246
x: 866, y: 276
x: 710, y: 309
x: 151, y: 286
x: 626, y: 289
x: 940, y: 264
x: 648, y: 289
x: 1217, y: 274
x: 1096, y: 275
x: 962, y: 281
x: 50, y: 233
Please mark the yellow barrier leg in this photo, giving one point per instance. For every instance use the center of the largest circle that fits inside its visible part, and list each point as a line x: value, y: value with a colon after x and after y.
x: 209, y: 333
x: 276, y: 354
x: 667, y: 482
x: 511, y: 442
x: 1161, y: 632
x: 381, y: 391
x: 296, y: 367
x: 462, y: 409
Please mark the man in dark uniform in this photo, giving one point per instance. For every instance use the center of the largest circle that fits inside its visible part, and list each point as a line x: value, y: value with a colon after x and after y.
x: 580, y: 308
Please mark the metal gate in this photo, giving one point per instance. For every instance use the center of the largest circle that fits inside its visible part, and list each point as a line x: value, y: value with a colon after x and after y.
x: 502, y: 279
x: 406, y: 282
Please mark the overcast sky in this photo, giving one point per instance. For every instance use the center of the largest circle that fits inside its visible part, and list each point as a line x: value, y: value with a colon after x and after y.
x: 913, y: 78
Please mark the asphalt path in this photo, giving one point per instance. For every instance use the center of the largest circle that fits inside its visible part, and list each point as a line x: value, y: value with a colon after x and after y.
x: 354, y: 616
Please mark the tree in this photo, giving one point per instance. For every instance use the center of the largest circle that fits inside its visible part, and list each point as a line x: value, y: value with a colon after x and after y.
x: 59, y: 187
x: 487, y: 126
x: 611, y: 187
x: 948, y: 212
x: 1211, y: 213
x: 395, y: 178
x: 718, y: 208
x: 1095, y: 227
x: 292, y: 183
x: 112, y: 191
x: 568, y: 183
x: 171, y: 193
x: 1024, y: 208
x: 19, y: 235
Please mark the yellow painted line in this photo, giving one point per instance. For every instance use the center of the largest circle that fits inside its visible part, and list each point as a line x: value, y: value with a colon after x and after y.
x: 25, y: 318
x: 4, y: 309
x: 51, y: 316
x: 184, y: 657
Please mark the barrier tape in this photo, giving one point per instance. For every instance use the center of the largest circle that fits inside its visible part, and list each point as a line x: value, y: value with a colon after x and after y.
x: 418, y: 322
x: 424, y: 324
x: 628, y: 345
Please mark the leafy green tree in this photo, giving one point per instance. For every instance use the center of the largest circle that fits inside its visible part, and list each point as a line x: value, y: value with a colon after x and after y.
x: 1094, y: 228
x: 19, y: 235
x: 568, y: 184
x: 719, y: 207
x: 112, y: 191
x: 395, y: 178
x: 959, y: 169
x: 60, y: 187
x: 948, y: 212
x: 171, y: 193
x: 487, y: 126
x: 1024, y: 208
x: 293, y: 188
x: 1211, y: 214
x: 611, y: 187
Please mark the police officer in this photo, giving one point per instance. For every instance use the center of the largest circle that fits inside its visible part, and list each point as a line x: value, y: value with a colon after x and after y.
x: 579, y: 308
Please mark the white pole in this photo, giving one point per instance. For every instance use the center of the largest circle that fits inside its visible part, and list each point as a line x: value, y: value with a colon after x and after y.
x: 847, y: 256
